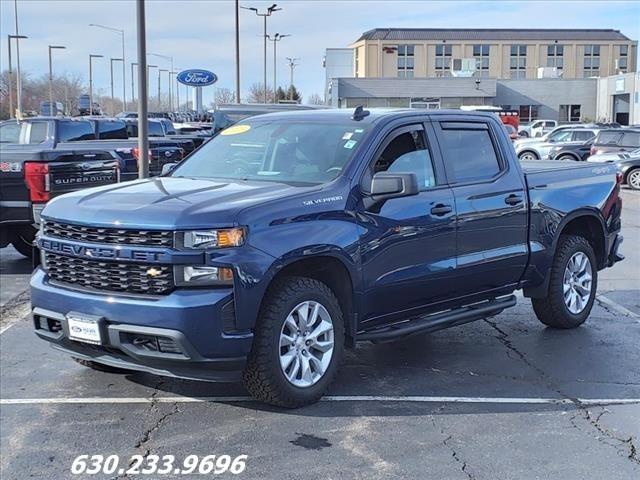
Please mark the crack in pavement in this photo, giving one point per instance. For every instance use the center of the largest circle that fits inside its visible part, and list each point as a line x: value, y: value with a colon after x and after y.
x: 15, y: 310
x: 454, y: 453
x: 146, y: 435
x: 632, y: 455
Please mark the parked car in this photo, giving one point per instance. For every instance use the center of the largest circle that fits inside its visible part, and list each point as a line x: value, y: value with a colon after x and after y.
x: 540, y: 149
x: 576, y: 151
x: 33, y: 172
x: 511, y: 131
x: 537, y: 128
x: 616, y: 140
x: 342, y: 226
x: 628, y: 163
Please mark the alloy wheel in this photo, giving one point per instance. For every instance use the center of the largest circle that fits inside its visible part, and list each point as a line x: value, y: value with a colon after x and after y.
x: 577, y: 283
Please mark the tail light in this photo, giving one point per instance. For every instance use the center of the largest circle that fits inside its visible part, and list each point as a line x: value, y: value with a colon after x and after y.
x: 36, y: 176
x: 136, y: 153
x: 593, y: 150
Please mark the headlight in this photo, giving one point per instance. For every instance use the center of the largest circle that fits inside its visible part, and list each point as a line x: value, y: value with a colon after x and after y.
x: 201, y: 239
x: 197, y: 275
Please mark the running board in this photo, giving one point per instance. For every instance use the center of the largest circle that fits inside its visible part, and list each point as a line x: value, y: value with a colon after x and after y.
x: 439, y: 321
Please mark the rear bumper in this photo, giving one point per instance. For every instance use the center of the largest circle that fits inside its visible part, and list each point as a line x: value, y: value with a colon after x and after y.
x: 179, y: 335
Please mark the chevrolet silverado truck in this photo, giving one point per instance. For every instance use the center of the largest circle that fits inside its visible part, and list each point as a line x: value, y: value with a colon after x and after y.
x: 291, y: 236
x: 31, y: 174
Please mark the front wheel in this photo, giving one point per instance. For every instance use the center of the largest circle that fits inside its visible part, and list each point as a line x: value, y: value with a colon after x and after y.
x: 298, y: 343
x: 572, y: 286
x: 633, y: 179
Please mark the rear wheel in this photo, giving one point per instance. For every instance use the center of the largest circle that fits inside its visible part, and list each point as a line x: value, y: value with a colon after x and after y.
x: 572, y: 286
x: 567, y: 157
x: 528, y: 156
x: 298, y: 343
x: 23, y: 241
x: 633, y: 178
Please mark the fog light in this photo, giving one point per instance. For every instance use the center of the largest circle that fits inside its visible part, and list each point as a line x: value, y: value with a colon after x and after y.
x: 198, y: 275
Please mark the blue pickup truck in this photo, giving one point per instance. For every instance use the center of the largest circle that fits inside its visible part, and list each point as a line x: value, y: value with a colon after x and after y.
x: 291, y: 236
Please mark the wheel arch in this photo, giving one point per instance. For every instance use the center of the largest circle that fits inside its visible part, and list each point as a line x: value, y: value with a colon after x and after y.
x: 568, y: 154
x: 528, y: 150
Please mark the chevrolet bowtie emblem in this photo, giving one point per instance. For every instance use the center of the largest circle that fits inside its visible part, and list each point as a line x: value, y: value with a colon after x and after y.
x: 153, y: 272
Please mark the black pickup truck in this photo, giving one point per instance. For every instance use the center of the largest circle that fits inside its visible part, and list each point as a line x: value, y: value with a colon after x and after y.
x: 32, y: 173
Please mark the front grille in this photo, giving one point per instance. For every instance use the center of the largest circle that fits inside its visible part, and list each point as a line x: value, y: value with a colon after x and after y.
x: 109, y: 276
x: 155, y: 238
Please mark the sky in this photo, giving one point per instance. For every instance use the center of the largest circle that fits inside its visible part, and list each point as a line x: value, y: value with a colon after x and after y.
x: 200, y: 33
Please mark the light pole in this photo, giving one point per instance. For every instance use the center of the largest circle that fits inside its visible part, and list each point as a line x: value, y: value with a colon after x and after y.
x: 167, y: 57
x: 52, y: 47
x: 292, y: 65
x: 143, y: 75
x: 132, y: 76
x: 113, y: 100
x: 237, y: 52
x: 9, y: 37
x: 17, y: 36
x: 276, y: 38
x: 149, y: 67
x: 91, y: 57
x: 267, y: 13
x: 124, y: 84
x: 160, y: 70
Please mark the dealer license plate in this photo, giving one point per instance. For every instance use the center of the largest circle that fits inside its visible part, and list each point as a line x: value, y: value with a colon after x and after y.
x: 84, y: 329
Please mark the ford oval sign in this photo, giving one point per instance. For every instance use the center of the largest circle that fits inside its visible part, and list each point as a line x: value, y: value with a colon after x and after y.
x: 197, y: 78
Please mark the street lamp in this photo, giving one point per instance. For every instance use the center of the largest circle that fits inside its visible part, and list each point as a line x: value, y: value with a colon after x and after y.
x: 149, y: 67
x: 124, y: 84
x: 276, y: 38
x: 18, y: 84
x: 176, y: 72
x: 167, y: 57
x: 264, y: 15
x: 113, y: 100
x: 52, y: 47
x: 91, y: 57
x: 160, y: 70
x: 292, y: 65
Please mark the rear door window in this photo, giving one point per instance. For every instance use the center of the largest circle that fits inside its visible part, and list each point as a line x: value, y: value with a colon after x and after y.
x: 38, y: 132
x: 469, y: 152
x: 109, y: 130
x: 582, y: 135
x: 609, y: 138
x: 72, y: 131
x: 630, y: 139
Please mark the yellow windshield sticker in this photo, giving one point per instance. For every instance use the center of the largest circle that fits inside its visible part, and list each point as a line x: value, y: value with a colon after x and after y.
x: 236, y: 129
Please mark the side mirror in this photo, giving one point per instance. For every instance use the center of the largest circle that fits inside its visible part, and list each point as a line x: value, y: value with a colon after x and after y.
x: 167, y: 167
x: 387, y: 185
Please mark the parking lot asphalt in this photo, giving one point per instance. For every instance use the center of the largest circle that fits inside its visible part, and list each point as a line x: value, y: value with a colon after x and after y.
x: 503, y: 398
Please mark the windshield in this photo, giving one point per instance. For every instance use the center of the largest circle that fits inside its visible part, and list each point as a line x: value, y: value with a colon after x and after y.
x: 277, y: 151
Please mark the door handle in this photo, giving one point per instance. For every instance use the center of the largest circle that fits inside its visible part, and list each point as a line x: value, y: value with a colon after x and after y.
x: 513, y: 199
x: 441, y: 209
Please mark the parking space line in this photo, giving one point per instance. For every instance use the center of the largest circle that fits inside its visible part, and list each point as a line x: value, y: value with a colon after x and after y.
x: 617, y: 307
x: 329, y: 398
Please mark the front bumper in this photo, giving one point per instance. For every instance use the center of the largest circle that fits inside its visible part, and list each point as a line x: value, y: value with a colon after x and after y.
x: 187, y: 332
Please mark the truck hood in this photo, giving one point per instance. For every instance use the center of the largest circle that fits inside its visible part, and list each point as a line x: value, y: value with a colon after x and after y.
x: 166, y: 202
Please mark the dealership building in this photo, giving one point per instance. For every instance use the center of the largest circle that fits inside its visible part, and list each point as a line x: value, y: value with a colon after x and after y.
x: 569, y: 75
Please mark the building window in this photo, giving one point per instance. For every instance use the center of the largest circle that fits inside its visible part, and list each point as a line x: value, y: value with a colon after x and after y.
x: 443, y: 60
x: 591, y: 61
x: 554, y: 56
x: 518, y: 62
x: 569, y: 113
x: 357, y: 62
x: 623, y: 58
x: 405, y: 60
x: 481, y: 54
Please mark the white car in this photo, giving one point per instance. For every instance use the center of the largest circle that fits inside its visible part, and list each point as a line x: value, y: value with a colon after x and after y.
x: 537, y: 128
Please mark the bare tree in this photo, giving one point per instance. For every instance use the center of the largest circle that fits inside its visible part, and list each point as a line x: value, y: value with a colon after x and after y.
x: 224, y: 95
x: 315, y: 99
x: 256, y: 94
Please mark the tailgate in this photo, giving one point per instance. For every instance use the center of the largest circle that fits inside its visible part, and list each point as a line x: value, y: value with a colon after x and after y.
x: 76, y: 170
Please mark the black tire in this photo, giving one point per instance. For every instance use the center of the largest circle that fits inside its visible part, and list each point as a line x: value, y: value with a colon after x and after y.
x: 633, y: 174
x: 524, y: 134
x: 533, y: 155
x: 99, y: 366
x: 567, y: 157
x: 23, y: 241
x: 552, y: 310
x: 263, y: 377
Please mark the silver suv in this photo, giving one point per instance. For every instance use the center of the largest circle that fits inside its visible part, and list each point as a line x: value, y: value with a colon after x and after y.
x: 538, y: 149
